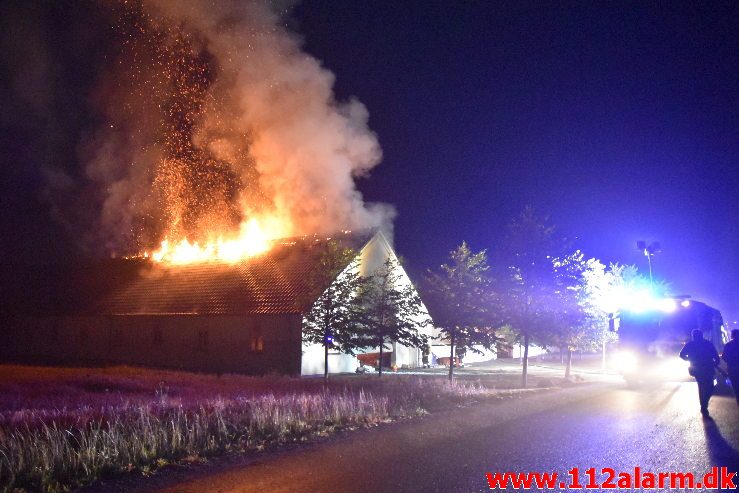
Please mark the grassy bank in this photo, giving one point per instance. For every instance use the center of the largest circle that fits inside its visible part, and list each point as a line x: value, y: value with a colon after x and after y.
x: 61, y: 428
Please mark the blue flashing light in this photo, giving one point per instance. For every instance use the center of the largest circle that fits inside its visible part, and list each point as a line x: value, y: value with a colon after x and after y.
x: 667, y: 305
x: 645, y: 302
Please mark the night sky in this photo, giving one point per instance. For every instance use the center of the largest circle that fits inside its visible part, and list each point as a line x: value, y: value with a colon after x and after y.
x: 618, y: 120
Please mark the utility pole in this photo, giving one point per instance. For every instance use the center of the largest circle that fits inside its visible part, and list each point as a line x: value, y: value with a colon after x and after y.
x: 649, y: 251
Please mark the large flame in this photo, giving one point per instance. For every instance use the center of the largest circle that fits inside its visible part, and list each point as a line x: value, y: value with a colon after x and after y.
x: 254, y: 238
x: 239, y: 140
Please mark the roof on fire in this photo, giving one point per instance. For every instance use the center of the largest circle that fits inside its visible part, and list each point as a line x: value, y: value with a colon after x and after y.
x: 273, y: 283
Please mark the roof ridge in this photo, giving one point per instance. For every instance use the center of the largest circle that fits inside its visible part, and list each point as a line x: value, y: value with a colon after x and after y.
x: 271, y: 283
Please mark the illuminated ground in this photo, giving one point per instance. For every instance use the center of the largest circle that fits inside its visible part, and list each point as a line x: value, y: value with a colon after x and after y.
x: 592, y: 425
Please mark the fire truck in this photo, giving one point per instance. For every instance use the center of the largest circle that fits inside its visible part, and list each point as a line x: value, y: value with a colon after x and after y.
x: 651, y: 335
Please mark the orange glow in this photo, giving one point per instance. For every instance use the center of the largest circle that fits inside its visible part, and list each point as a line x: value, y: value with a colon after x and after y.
x: 254, y: 238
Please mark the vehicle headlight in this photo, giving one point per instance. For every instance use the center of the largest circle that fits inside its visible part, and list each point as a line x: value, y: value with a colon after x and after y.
x: 625, y: 361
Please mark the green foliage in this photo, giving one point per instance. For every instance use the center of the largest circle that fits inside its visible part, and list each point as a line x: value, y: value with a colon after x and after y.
x: 335, y: 319
x: 601, y: 284
x: 460, y: 301
x: 506, y: 335
x: 553, y: 295
x: 541, y: 291
x: 576, y: 325
x: 393, y: 311
x: 532, y: 290
x: 603, y: 289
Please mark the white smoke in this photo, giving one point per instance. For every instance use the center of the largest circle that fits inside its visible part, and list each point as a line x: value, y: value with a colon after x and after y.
x: 304, y: 149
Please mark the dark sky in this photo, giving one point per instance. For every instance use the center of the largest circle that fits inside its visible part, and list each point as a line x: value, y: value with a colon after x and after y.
x: 618, y: 119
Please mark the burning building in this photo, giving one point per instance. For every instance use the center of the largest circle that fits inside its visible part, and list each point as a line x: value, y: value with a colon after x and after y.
x: 242, y: 317
x: 210, y: 135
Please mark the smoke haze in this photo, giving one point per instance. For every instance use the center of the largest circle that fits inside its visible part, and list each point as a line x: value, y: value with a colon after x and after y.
x: 203, y: 115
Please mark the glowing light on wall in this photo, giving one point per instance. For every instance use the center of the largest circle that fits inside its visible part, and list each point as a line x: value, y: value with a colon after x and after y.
x: 644, y: 300
x: 667, y: 305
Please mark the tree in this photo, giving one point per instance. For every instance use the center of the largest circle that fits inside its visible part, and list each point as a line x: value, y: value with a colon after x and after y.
x: 609, y: 289
x: 576, y: 325
x: 459, y: 300
x: 393, y: 311
x: 531, y: 290
x: 335, y: 319
x: 600, y: 302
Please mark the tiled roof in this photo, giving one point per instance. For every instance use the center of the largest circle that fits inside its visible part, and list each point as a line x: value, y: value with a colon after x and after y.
x: 272, y: 283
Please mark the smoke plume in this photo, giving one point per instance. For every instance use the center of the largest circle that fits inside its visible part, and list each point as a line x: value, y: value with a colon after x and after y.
x: 209, y: 114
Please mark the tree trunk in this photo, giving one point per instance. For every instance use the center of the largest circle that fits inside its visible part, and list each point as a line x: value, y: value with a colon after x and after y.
x: 603, y: 357
x: 380, y: 363
x: 525, y: 371
x: 568, y: 367
x: 451, y: 357
x: 325, y: 361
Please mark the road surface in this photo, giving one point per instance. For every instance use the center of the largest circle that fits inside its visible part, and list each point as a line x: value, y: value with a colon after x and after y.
x: 592, y: 425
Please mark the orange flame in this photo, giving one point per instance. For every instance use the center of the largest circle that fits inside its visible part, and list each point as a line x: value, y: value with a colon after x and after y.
x: 255, y: 238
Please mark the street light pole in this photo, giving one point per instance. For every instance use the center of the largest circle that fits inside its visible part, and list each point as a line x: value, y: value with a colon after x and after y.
x: 649, y: 251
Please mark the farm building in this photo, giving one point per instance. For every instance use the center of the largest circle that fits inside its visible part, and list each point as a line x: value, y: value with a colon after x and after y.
x: 214, y: 317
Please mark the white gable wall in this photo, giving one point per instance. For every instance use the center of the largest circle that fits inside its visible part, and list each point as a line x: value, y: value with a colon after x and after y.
x: 312, y: 361
x: 372, y: 256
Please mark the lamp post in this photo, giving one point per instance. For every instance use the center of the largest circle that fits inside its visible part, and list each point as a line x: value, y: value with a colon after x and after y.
x: 649, y: 251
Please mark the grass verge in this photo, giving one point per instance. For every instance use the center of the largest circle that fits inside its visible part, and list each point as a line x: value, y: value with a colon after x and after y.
x: 63, y: 428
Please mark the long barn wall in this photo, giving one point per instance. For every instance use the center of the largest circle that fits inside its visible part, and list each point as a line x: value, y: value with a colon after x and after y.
x: 254, y: 344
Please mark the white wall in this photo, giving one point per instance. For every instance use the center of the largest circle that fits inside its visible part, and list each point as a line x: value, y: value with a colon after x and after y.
x: 442, y: 351
x: 372, y: 256
x: 312, y: 361
x: 534, y: 350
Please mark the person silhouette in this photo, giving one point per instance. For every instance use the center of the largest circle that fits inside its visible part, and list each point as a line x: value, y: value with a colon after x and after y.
x: 703, y: 359
x: 731, y: 356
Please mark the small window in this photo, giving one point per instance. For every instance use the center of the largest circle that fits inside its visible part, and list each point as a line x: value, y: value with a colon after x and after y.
x: 202, y: 340
x: 257, y: 342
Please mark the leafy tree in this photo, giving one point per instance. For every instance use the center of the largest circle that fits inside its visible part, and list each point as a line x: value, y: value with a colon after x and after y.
x: 393, y: 310
x: 600, y: 301
x: 459, y: 300
x: 576, y: 324
x: 507, y: 337
x: 532, y: 290
x: 606, y: 291
x: 335, y: 319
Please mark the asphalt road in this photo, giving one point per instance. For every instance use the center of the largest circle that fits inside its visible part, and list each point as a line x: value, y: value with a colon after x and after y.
x: 593, y: 425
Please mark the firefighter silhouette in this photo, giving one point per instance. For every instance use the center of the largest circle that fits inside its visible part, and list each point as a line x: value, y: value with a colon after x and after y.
x: 731, y: 357
x: 703, y: 359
